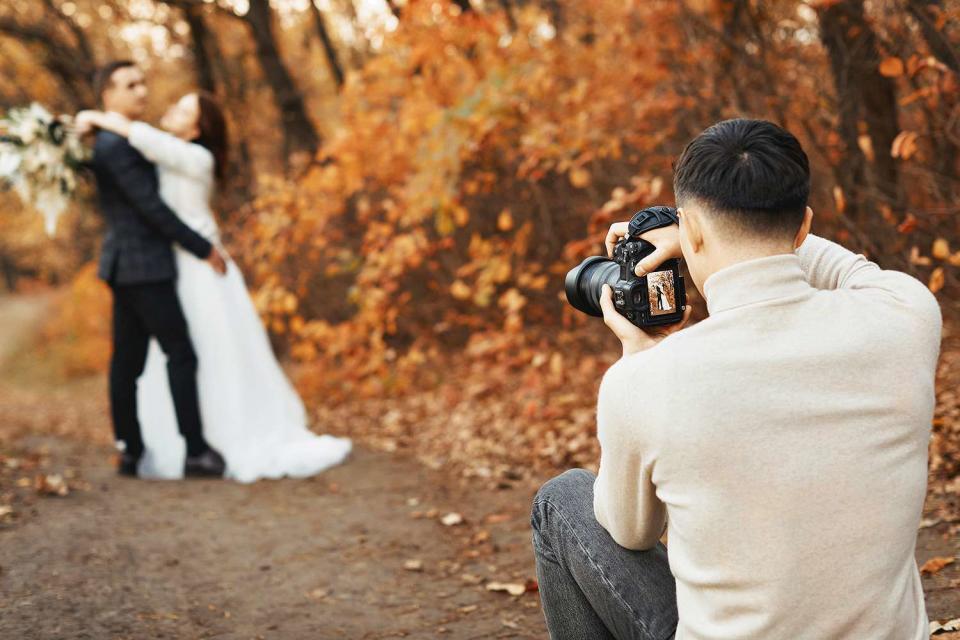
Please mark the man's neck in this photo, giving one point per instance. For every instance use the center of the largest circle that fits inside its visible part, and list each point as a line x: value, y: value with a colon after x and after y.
x: 743, y: 254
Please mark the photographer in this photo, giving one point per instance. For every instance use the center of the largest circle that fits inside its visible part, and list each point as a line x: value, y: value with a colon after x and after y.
x: 781, y: 442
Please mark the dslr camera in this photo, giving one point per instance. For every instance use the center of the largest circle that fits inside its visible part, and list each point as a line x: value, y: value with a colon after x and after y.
x: 655, y: 299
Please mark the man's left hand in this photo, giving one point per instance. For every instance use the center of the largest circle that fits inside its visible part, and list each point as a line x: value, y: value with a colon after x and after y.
x: 632, y: 337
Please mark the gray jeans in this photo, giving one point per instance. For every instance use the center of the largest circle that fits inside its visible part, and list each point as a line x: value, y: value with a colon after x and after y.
x: 591, y: 587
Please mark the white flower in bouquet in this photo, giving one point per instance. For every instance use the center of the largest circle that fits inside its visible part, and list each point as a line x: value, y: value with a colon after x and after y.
x: 9, y: 164
x: 39, y: 156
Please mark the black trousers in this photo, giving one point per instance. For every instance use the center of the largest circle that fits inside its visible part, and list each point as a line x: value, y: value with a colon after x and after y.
x: 142, y: 311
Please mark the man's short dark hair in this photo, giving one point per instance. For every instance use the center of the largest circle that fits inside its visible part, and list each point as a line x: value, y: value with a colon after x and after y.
x: 752, y: 174
x: 104, y: 75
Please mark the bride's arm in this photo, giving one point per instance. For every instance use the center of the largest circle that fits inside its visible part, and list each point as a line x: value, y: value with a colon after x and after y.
x: 159, y: 147
x: 168, y: 150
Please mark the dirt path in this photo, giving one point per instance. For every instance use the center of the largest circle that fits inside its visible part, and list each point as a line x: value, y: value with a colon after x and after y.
x: 359, y: 552
x: 321, y: 558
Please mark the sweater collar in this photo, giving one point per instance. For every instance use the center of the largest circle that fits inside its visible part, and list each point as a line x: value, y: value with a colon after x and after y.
x: 755, y: 280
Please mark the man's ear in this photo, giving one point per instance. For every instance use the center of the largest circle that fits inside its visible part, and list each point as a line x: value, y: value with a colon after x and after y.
x: 693, y: 227
x: 804, y: 228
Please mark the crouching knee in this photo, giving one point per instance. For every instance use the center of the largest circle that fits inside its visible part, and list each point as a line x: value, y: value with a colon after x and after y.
x: 570, y: 493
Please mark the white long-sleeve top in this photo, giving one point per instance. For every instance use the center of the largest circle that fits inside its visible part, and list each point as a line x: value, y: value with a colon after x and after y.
x: 185, y: 174
x: 785, y: 436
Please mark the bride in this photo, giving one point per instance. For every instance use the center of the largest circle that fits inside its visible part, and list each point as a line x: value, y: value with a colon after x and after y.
x: 250, y: 411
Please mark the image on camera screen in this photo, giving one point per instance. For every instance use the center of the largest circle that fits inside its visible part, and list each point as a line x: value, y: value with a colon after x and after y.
x: 662, y: 295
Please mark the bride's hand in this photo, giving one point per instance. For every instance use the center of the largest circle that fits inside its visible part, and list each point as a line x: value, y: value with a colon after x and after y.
x: 85, y: 121
x: 114, y: 122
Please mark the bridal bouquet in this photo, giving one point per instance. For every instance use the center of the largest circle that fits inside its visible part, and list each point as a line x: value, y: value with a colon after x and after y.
x: 40, y: 156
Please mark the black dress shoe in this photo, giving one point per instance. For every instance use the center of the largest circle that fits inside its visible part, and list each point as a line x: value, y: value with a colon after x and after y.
x: 208, y: 464
x: 128, y: 465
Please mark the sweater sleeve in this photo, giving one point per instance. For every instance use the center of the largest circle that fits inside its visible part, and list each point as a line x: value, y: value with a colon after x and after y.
x: 625, y: 500
x: 827, y: 265
x: 166, y: 150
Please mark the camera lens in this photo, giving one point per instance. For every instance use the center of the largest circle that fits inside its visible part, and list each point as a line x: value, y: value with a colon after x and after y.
x: 584, y: 283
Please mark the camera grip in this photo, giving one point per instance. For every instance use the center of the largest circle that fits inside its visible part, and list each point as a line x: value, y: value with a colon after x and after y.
x: 652, y: 218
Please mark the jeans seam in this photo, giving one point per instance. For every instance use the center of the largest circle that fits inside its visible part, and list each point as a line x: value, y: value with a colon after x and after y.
x: 636, y: 617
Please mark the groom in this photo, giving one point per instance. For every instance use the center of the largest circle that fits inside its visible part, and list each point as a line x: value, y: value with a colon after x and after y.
x: 137, y: 262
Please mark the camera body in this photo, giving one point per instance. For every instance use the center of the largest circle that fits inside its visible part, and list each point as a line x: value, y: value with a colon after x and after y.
x: 642, y: 302
x: 654, y: 299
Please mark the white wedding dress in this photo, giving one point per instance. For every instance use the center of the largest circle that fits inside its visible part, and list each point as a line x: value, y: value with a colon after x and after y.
x: 250, y: 411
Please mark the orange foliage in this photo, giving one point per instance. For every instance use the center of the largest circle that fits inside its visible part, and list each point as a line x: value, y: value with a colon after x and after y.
x: 398, y: 241
x: 468, y: 162
x: 77, y: 339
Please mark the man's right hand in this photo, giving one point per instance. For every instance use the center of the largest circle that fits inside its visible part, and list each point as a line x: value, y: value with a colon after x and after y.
x: 216, y: 261
x: 665, y: 239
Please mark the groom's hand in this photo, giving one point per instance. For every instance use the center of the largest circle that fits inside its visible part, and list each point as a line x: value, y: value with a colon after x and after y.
x: 216, y: 261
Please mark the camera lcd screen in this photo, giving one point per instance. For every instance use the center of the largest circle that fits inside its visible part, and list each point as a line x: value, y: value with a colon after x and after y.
x: 663, y: 299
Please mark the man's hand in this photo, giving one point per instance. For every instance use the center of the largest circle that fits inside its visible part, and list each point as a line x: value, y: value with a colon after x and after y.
x: 632, y: 337
x: 665, y: 239
x: 216, y: 261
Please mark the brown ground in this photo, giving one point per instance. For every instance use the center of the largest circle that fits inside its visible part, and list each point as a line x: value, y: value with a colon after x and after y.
x: 318, y: 558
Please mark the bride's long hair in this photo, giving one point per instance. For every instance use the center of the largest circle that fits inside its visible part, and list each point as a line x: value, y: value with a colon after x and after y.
x: 213, y: 132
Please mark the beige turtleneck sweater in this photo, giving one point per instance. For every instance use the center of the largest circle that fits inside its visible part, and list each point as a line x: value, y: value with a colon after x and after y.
x: 785, y: 436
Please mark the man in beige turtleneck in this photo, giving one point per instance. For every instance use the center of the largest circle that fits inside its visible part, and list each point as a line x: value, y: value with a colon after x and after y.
x: 781, y: 442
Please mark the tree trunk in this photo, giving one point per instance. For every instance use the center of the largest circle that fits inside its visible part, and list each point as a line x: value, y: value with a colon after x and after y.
x: 66, y: 61
x: 394, y: 8
x: 866, y: 104
x: 239, y: 167
x: 332, y: 58
x: 299, y: 134
x: 83, y: 44
x: 203, y: 50
x: 945, y: 150
x: 556, y: 14
x: 939, y: 45
x: 507, y: 6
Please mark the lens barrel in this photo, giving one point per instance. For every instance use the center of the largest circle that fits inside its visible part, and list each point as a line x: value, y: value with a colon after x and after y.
x: 584, y: 283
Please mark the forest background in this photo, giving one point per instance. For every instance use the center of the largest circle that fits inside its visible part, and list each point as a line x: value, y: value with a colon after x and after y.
x: 410, y: 181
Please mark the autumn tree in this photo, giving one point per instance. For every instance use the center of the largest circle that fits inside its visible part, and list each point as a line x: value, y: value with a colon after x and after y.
x: 866, y: 105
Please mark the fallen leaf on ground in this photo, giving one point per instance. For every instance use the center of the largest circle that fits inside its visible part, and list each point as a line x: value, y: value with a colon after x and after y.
x: 52, y: 485
x: 318, y: 594
x: 936, y: 627
x: 933, y: 565
x: 451, y: 519
x: 513, y: 588
x: 497, y: 518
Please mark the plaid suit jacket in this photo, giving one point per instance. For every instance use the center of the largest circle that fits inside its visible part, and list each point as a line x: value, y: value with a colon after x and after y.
x: 137, y: 247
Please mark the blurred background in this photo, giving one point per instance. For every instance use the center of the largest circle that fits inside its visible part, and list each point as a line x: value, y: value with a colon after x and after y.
x: 408, y: 183
x: 410, y: 180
